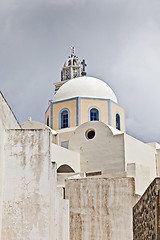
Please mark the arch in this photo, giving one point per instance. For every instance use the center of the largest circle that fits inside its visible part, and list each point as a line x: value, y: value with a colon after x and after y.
x: 64, y: 118
x: 94, y: 114
x: 74, y: 62
x: 65, y: 169
x: 48, y: 121
x: 118, y: 121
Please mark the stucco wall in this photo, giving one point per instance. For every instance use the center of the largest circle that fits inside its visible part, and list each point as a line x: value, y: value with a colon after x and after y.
x: 62, y: 216
x: 57, y: 107
x: 101, y: 104
x: 117, y: 109
x: 63, y: 156
x: 7, y: 117
x: 105, y: 152
x: 26, y: 189
x: 30, y: 200
x: 7, y: 121
x: 141, y: 175
x: 143, y: 156
x: 101, y: 209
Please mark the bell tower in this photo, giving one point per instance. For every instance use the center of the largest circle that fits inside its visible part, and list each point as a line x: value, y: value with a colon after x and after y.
x: 72, y: 68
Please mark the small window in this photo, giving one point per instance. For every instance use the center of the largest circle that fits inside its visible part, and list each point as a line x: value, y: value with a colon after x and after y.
x: 94, y: 114
x: 65, y: 144
x: 48, y: 121
x: 64, y: 118
x: 90, y: 134
x: 118, y: 122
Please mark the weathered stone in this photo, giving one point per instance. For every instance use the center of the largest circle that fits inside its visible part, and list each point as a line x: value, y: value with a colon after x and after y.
x: 101, y: 208
x: 146, y: 214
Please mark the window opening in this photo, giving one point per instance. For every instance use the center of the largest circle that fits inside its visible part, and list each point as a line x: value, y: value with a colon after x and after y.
x: 48, y: 121
x: 118, y: 125
x: 94, y: 114
x: 64, y: 119
x: 65, y: 169
x: 90, y: 134
x: 65, y: 144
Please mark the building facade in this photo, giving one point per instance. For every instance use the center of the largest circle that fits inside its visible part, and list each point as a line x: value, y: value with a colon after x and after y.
x: 77, y: 176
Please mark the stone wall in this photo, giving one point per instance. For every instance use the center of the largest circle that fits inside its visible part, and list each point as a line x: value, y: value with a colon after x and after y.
x: 146, y: 214
x: 101, y: 208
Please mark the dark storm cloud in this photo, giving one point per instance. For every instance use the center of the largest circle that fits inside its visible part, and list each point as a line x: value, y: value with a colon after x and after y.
x: 120, y: 40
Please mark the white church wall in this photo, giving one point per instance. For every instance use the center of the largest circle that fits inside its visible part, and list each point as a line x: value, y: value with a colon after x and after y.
x: 7, y: 117
x: 26, y: 186
x: 59, y: 212
x: 7, y: 121
x: 141, y: 175
x: 62, y: 216
x: 64, y: 134
x: 105, y: 152
x: 143, y: 156
x: 30, y: 199
x: 61, y: 177
x: 101, y: 208
x: 63, y: 156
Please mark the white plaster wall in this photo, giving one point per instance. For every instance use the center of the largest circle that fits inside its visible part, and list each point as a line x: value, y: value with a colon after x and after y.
x: 30, y: 198
x: 141, y: 175
x: 64, y: 135
x: 63, y: 156
x: 61, y: 177
x: 7, y: 121
x: 59, y: 212
x: 144, y: 157
x: 105, y: 152
x: 26, y: 186
x: 7, y: 117
x: 62, y: 216
x: 101, y: 209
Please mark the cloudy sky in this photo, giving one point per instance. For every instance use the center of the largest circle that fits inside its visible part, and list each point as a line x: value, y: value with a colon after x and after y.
x: 120, y: 40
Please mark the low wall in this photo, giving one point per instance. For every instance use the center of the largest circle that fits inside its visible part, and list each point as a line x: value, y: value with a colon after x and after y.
x: 101, y: 208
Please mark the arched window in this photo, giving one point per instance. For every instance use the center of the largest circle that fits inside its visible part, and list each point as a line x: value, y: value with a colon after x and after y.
x: 65, y: 169
x: 118, y: 121
x: 94, y: 114
x: 48, y: 121
x: 64, y: 118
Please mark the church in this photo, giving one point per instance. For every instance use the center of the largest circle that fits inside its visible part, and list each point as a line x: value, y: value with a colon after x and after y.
x: 79, y: 175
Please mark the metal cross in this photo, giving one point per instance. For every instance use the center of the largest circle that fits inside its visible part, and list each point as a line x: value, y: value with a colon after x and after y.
x: 84, y: 67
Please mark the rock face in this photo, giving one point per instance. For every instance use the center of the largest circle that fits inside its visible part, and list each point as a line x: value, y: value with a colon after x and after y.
x: 100, y: 208
x: 146, y: 214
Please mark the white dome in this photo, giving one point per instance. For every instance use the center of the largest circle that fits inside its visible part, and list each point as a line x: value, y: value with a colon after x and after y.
x: 85, y: 87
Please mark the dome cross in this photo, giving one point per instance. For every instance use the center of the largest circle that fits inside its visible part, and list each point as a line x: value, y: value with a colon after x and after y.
x: 84, y: 67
